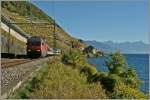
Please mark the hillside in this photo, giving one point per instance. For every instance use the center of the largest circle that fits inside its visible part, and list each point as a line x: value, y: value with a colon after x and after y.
x: 28, y: 12
x: 124, y: 47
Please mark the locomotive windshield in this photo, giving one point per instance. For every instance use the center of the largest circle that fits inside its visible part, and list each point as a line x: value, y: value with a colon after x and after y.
x: 34, y: 41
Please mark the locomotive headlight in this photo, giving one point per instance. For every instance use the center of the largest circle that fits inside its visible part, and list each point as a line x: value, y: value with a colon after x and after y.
x: 38, y: 50
x: 29, y: 50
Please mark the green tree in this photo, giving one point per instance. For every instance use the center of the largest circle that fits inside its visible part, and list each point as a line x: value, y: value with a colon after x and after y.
x: 117, y: 64
x: 88, y: 49
x: 131, y: 78
x: 75, y: 57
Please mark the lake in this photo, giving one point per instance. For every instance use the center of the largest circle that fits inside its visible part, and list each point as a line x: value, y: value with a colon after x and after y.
x: 140, y: 62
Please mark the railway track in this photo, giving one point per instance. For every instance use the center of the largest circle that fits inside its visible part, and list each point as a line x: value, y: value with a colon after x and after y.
x: 14, y: 62
x: 15, y: 72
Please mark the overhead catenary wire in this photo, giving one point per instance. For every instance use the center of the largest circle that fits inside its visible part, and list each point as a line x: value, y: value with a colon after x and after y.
x: 54, y: 23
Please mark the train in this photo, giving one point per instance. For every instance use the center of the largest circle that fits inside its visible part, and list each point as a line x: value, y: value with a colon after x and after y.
x: 10, y: 49
x: 36, y: 47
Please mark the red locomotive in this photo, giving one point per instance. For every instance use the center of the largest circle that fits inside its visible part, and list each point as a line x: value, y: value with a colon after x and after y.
x: 36, y: 47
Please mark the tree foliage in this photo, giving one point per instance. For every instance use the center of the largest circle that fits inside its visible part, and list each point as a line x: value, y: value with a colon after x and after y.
x: 88, y: 49
x: 117, y: 64
x: 75, y: 57
x: 122, y: 80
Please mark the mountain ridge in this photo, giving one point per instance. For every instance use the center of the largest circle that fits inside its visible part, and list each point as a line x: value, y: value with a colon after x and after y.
x: 127, y: 47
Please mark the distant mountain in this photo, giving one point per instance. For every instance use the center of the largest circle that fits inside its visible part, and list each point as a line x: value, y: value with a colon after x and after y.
x: 125, y: 47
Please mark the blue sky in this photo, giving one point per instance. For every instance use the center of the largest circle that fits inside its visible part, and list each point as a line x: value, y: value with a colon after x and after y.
x: 99, y: 20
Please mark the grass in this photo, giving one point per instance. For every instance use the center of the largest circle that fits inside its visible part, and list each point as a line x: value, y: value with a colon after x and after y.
x: 59, y: 81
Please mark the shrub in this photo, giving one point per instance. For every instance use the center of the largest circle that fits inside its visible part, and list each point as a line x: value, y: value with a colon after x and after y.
x: 109, y: 81
x: 117, y: 64
x: 98, y: 77
x: 66, y: 59
x: 122, y: 81
x: 75, y: 58
x: 131, y: 79
x: 123, y: 91
x: 89, y: 70
x: 22, y: 94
